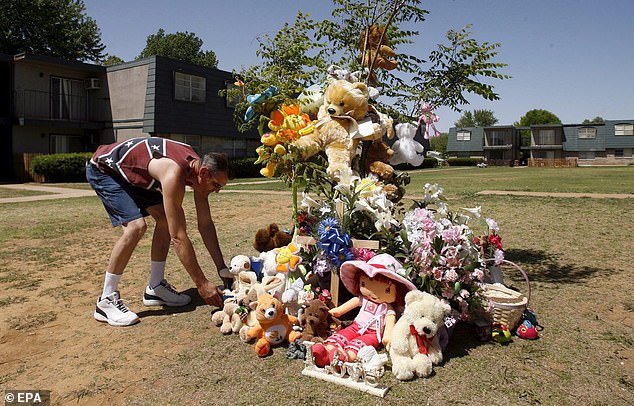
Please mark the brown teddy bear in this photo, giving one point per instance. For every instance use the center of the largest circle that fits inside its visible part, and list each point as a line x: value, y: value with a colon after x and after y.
x: 377, y: 156
x: 342, y: 124
x: 375, y: 51
x: 270, y: 238
x: 316, y: 321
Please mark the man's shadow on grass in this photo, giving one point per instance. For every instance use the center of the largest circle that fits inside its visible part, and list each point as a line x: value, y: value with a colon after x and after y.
x: 166, y: 311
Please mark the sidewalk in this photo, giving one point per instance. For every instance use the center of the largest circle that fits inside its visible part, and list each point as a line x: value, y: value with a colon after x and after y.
x: 50, y: 193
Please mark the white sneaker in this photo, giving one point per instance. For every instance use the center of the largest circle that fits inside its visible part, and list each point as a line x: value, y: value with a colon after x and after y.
x: 113, y: 311
x: 164, y: 295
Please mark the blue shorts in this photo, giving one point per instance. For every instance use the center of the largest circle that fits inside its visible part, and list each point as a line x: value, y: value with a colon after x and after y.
x: 122, y: 201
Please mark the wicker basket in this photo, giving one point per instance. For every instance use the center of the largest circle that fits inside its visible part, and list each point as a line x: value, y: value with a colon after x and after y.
x: 507, y: 304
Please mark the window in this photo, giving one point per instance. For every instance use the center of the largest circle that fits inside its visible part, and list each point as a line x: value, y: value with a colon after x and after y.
x: 61, y: 143
x: 618, y: 153
x: 586, y: 155
x: 463, y: 136
x: 499, y: 138
x: 587, y: 132
x: 67, y: 101
x: 624, y: 129
x: 546, y: 137
x: 189, y: 87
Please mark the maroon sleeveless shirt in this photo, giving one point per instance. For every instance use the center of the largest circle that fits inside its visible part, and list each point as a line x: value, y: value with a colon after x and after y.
x: 129, y: 159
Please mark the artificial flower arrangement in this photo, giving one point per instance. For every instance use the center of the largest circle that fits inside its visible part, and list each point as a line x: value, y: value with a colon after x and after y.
x: 442, y: 254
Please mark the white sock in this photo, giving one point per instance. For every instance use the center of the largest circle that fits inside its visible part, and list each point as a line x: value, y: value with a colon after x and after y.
x: 157, y: 273
x: 110, y: 284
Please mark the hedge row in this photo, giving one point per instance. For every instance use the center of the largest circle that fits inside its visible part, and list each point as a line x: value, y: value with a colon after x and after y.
x: 245, y: 168
x: 463, y: 161
x: 61, y: 167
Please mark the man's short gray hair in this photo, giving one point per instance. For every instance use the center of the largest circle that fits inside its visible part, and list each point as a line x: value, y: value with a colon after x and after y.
x: 216, y: 162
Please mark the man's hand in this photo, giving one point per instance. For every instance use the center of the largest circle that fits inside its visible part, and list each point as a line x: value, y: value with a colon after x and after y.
x: 210, y: 294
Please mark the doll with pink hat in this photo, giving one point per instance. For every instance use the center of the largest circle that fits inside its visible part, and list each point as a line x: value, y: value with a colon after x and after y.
x: 378, y: 288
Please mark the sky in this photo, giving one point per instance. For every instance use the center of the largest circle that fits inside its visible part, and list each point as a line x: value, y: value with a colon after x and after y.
x: 574, y: 58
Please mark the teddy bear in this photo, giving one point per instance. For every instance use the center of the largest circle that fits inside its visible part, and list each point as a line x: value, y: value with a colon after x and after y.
x: 415, y: 344
x: 316, y: 321
x: 270, y: 237
x: 342, y: 124
x: 406, y: 149
x: 272, y: 285
x: 234, y: 313
x: 273, y: 325
x: 377, y: 156
x: 375, y: 50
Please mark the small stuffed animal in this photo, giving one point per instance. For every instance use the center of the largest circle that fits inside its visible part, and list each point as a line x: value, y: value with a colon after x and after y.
x: 429, y: 118
x: 377, y: 157
x: 317, y: 322
x: 271, y: 285
x: 415, y: 345
x: 342, y: 124
x: 375, y: 49
x: 270, y: 237
x: 235, y: 311
x: 406, y: 149
x: 273, y: 326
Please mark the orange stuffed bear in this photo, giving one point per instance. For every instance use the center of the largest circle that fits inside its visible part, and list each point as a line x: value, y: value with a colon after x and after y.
x: 273, y: 326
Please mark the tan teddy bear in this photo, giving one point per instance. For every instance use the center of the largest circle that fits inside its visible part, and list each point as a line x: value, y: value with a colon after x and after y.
x: 415, y: 345
x: 342, y: 124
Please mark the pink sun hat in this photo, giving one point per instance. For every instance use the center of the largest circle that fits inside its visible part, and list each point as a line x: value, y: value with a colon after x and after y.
x: 382, y: 264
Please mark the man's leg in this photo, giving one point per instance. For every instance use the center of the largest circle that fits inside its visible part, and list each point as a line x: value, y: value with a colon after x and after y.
x: 159, y: 292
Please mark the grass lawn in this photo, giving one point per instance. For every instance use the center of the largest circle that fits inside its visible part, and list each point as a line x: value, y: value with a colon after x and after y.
x: 577, y: 253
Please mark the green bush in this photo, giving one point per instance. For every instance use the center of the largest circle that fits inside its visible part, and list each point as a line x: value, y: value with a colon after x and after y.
x: 463, y: 161
x: 245, y: 168
x: 61, y: 167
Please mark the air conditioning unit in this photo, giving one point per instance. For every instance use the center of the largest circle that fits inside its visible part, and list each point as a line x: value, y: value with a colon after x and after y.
x: 93, y: 84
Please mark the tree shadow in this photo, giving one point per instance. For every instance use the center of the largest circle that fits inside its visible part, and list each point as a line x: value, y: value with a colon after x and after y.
x: 166, y: 311
x: 542, y: 266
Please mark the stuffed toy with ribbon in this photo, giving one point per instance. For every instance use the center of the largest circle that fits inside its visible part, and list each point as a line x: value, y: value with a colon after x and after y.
x: 429, y: 118
x: 415, y: 345
x: 343, y: 122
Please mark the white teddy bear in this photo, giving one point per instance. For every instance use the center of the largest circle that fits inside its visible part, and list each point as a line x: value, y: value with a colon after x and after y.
x: 406, y: 149
x: 415, y: 345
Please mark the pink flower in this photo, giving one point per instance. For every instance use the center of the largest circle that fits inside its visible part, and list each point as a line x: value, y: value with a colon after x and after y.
x: 451, y: 235
x: 451, y: 275
x: 363, y: 254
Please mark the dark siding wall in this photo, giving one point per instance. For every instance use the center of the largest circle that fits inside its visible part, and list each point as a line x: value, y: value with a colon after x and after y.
x: 617, y: 141
x: 6, y: 90
x: 474, y: 146
x: 164, y: 114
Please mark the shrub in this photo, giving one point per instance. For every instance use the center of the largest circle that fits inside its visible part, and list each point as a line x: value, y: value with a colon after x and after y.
x: 245, y: 168
x: 463, y: 161
x: 427, y: 163
x: 61, y: 167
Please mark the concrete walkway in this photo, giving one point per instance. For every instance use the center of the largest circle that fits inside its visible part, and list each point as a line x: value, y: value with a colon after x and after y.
x: 50, y: 193
x: 54, y: 192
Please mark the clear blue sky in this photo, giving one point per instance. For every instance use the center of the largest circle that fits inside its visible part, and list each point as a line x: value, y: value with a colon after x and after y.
x: 574, y: 58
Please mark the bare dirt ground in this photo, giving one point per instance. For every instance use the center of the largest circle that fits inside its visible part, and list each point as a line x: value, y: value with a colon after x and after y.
x: 51, y: 272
